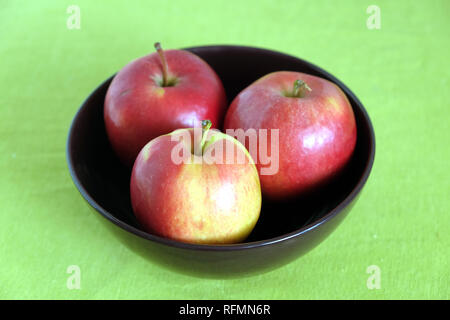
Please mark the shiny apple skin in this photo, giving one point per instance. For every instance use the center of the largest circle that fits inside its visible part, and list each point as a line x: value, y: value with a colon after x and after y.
x: 317, y: 133
x: 138, y: 109
x: 195, y: 203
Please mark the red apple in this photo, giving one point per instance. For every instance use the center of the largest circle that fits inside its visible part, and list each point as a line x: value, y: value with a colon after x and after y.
x: 157, y: 94
x: 200, y: 197
x: 317, y: 130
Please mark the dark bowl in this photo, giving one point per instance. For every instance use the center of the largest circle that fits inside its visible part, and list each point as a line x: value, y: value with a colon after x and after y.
x: 284, y: 231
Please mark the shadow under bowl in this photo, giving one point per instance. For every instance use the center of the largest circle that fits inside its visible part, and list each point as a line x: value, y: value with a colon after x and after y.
x: 284, y: 231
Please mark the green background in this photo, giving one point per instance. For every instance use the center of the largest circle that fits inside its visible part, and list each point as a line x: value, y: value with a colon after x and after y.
x: 400, y: 72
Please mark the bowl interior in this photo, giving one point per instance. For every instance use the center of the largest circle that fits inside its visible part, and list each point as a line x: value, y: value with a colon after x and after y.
x: 99, y: 173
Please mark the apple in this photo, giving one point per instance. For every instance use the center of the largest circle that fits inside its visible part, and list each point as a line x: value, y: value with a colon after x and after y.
x: 316, y: 129
x: 157, y: 94
x: 201, y: 196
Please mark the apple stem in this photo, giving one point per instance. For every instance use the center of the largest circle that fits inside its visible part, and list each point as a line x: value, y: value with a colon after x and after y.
x: 163, y: 62
x: 300, y: 88
x: 206, y: 125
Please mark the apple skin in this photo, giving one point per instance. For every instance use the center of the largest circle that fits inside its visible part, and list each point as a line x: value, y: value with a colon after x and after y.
x: 317, y: 132
x: 138, y: 109
x: 195, y: 203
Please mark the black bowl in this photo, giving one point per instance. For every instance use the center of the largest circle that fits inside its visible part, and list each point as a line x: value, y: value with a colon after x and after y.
x: 284, y: 231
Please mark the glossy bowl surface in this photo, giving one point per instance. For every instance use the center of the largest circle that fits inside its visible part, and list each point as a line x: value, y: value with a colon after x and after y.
x: 284, y: 231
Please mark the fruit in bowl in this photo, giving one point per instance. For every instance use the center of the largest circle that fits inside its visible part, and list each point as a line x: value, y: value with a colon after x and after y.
x: 183, y: 187
x: 105, y: 184
x: 316, y: 129
x: 157, y: 94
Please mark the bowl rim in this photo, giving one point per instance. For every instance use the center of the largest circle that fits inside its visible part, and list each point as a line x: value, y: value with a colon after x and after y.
x: 245, y: 245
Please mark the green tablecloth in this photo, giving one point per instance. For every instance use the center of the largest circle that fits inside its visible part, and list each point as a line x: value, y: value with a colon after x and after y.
x: 400, y: 72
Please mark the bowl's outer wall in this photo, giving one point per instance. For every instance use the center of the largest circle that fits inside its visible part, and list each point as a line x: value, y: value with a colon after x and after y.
x: 104, y: 182
x: 230, y: 263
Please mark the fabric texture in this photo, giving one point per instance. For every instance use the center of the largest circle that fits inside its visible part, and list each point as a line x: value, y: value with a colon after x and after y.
x: 400, y: 72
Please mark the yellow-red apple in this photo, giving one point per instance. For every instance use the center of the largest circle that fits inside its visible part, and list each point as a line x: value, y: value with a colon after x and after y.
x: 197, y: 189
